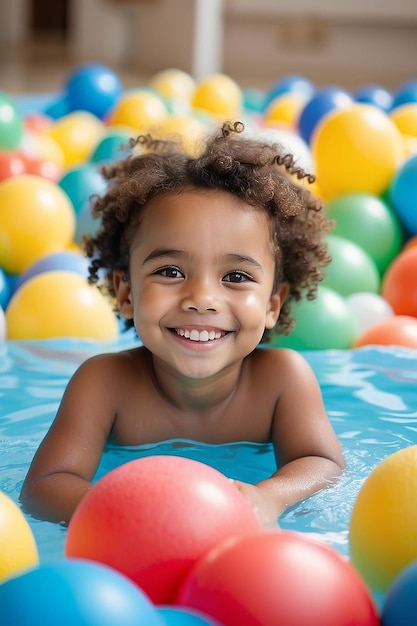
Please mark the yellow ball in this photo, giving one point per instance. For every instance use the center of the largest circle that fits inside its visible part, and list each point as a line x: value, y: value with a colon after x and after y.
x: 356, y: 149
x: 285, y: 108
x: 18, y: 550
x: 173, y: 84
x: 77, y: 134
x: 405, y: 118
x: 383, y: 525
x: 36, y: 218
x: 140, y: 109
x: 60, y: 304
x: 218, y: 95
x: 184, y: 128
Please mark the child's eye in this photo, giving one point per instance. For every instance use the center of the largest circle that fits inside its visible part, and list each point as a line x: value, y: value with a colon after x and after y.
x: 236, y: 277
x: 170, y: 272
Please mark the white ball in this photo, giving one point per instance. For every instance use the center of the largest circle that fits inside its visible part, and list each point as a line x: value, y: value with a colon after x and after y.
x: 368, y: 308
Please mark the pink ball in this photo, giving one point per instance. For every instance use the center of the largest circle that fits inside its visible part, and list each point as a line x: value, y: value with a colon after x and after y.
x: 154, y: 517
x: 278, y: 578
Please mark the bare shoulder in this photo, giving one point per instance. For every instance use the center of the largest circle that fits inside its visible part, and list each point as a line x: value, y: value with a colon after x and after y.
x: 114, y: 364
x: 281, y: 364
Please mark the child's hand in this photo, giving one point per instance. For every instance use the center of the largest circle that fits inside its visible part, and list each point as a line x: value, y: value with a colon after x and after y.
x: 264, y: 509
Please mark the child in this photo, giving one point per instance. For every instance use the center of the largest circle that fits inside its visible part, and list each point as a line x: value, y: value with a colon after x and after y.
x: 203, y: 255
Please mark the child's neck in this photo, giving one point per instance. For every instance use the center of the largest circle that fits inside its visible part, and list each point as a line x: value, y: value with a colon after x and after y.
x: 196, y: 394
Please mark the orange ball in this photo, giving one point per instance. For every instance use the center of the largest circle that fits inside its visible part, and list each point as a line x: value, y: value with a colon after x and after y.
x: 398, y: 330
x: 399, y: 285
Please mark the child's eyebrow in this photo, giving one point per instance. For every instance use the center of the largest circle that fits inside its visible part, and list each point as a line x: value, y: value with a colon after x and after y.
x: 246, y: 260
x: 161, y: 253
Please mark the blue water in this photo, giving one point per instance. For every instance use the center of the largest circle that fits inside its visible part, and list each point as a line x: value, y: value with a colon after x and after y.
x: 370, y: 395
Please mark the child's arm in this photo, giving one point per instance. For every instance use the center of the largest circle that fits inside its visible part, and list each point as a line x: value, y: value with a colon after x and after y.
x: 308, y: 452
x: 69, y: 455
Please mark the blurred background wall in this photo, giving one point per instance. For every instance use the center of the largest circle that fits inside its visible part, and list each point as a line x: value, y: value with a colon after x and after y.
x: 254, y: 41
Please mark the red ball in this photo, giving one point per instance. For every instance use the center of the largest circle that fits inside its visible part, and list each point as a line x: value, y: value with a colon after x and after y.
x: 278, y: 578
x: 398, y: 330
x: 153, y: 517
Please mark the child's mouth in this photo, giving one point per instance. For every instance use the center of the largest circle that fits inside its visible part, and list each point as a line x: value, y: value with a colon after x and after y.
x: 204, y: 335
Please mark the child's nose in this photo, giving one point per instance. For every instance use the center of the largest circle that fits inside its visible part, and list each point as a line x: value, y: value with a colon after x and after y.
x: 201, y: 295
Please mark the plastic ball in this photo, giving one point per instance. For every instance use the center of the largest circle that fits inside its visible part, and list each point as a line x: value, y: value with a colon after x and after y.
x: 402, y: 194
x: 187, y: 129
x: 112, y: 147
x: 94, y: 88
x: 285, y: 108
x: 407, y: 92
x: 382, y: 537
x: 321, y: 103
x: 356, y: 149
x: 322, y: 324
x: 66, y: 260
x: 87, y: 224
x: 11, y: 123
x: 292, y: 83
x: 36, y: 218
x: 219, y: 95
x: 11, y: 164
x: 176, y: 616
x: 399, y: 606
x: 405, y: 118
x: 60, y: 303
x: 398, y: 330
x: 74, y: 592
x: 173, y: 84
x: 368, y: 309
x: 77, y: 134
x: 18, y: 549
x: 351, y: 268
x: 5, y: 289
x: 153, y: 517
x: 58, y: 107
x: 278, y: 578
x: 139, y: 109
x: 291, y: 142
x: 399, y: 285
x: 82, y: 182
x: 358, y: 214
x: 376, y: 95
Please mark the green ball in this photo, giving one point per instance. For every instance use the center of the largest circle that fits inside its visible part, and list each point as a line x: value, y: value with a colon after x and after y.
x: 351, y: 270
x: 11, y: 123
x: 370, y: 222
x: 325, y: 323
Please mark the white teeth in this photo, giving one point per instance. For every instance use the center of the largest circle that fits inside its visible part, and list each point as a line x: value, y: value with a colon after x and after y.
x: 195, y: 335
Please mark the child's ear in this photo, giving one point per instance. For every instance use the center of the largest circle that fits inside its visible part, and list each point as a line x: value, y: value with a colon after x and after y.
x: 275, y: 303
x: 123, y: 294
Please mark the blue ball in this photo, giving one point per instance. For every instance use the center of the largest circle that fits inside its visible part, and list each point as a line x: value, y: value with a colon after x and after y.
x: 62, y: 261
x: 82, y: 182
x: 402, y: 194
x: 323, y: 101
x: 75, y: 592
x: 399, y: 607
x: 57, y: 108
x: 95, y: 88
x: 406, y: 93
x: 176, y: 616
x: 5, y: 290
x: 376, y: 95
x: 293, y: 83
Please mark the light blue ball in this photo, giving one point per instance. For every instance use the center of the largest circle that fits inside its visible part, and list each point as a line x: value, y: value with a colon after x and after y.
x: 75, y: 592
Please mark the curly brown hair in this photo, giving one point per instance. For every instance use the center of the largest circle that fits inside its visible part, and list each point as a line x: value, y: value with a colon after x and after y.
x: 259, y: 172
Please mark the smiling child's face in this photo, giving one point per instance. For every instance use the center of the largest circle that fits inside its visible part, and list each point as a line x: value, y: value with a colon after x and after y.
x: 200, y: 281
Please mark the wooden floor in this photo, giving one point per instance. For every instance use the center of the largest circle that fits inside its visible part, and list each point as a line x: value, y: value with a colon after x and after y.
x: 42, y: 66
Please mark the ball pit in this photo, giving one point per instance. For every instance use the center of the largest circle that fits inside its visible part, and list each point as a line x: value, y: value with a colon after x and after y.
x: 126, y: 520
x: 382, y: 537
